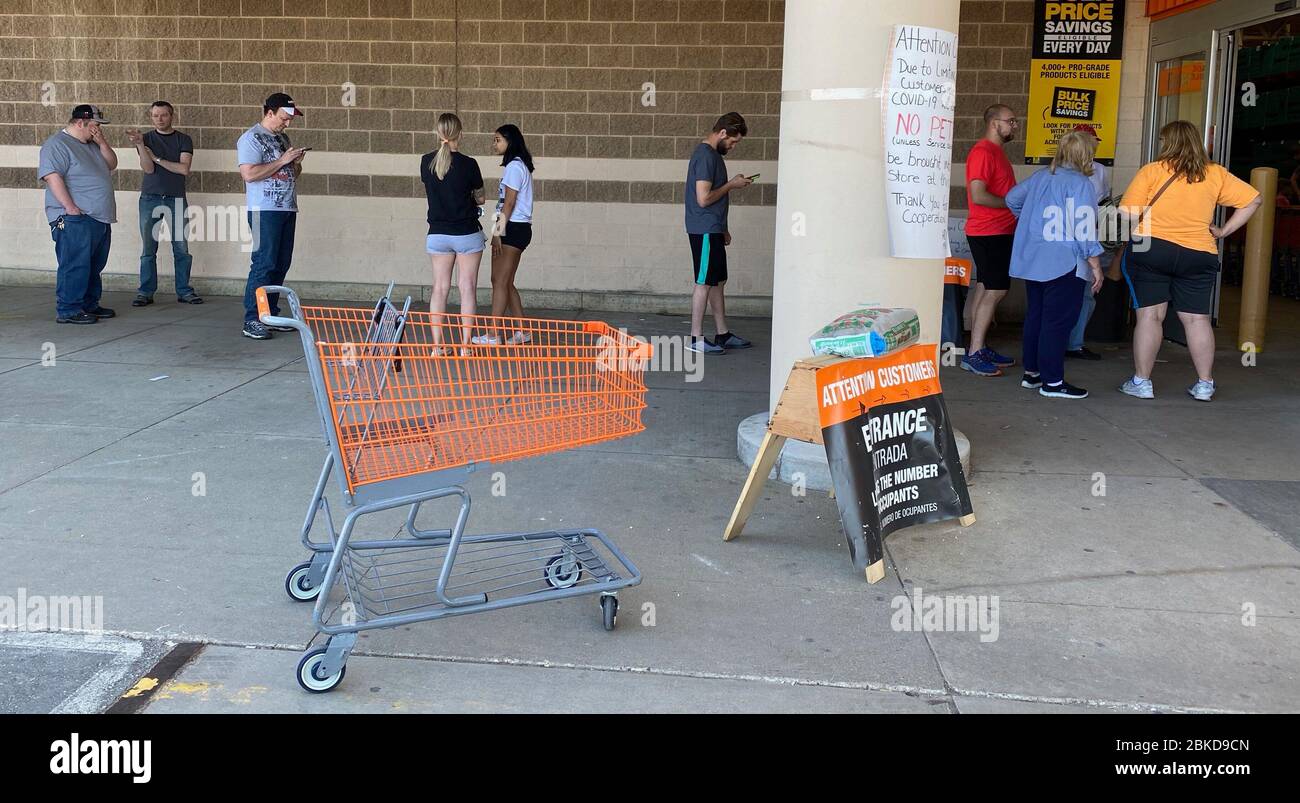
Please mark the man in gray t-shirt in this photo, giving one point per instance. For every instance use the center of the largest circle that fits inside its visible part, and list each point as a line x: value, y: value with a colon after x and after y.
x: 707, y: 201
x: 270, y: 165
x: 76, y: 165
x: 165, y: 156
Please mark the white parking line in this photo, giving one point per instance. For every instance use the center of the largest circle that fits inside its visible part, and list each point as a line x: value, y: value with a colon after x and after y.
x: 97, y: 692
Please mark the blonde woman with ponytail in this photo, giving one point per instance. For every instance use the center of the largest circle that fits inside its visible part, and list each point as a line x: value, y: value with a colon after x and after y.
x: 454, y: 187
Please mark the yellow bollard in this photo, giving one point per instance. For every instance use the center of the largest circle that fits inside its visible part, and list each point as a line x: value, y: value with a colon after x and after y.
x: 1258, y: 263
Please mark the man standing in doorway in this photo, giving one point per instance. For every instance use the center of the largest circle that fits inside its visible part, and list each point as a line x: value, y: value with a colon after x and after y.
x: 270, y: 166
x: 706, y: 195
x: 76, y: 165
x: 990, y: 229
x: 1100, y: 179
x: 165, y: 156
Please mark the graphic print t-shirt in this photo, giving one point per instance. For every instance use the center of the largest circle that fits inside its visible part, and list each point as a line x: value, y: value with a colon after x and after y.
x: 278, y: 191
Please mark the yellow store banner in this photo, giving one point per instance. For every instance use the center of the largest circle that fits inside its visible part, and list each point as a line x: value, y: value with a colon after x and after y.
x: 1074, y: 74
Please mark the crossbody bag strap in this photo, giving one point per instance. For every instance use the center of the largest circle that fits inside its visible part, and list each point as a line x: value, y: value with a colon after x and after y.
x: 1156, y: 197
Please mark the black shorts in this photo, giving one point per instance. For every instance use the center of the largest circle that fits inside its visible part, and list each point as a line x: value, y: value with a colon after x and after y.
x: 991, y: 254
x: 517, y: 235
x: 708, y: 259
x: 1169, y: 272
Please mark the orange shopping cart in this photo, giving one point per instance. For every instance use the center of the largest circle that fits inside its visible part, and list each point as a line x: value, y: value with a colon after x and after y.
x: 409, y: 407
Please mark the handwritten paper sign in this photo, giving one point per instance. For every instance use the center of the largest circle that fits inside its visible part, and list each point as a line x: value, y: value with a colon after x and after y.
x: 919, y: 102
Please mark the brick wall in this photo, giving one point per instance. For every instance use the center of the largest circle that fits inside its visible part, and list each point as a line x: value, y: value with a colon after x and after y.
x: 571, y: 73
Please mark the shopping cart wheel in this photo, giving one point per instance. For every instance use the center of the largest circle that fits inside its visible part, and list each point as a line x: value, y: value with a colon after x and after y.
x: 295, y: 584
x: 609, y: 608
x: 309, y: 676
x: 563, y: 571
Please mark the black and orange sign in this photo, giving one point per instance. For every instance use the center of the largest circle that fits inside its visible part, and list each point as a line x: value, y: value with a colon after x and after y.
x: 892, y: 453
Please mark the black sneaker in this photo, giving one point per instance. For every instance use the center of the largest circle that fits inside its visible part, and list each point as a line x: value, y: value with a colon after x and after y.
x: 256, y: 330
x: 730, y: 341
x: 79, y: 318
x: 1063, y: 391
x: 141, y: 300
x: 192, y: 298
x: 102, y: 312
x: 703, y: 345
x: 1083, y: 354
x: 1031, y: 381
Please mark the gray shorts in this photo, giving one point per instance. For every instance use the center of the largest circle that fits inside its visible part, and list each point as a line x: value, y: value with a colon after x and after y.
x: 454, y: 243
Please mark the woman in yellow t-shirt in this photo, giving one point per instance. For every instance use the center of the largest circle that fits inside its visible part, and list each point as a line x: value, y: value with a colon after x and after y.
x: 1175, y: 253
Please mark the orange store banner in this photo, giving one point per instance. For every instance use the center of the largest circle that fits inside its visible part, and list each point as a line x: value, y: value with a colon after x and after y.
x: 956, y: 271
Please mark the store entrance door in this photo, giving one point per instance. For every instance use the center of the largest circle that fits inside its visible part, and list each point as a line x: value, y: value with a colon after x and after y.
x: 1190, y: 77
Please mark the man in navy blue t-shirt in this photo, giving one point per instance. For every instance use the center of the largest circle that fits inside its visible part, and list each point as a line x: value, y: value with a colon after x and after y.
x: 707, y: 190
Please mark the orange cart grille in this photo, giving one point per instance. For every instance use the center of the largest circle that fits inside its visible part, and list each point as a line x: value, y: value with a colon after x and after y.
x: 429, y: 403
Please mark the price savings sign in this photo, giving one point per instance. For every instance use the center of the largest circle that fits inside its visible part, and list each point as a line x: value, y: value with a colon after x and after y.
x: 1074, y: 74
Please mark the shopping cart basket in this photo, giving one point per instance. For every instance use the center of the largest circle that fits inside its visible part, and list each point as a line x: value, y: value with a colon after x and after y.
x: 409, y: 409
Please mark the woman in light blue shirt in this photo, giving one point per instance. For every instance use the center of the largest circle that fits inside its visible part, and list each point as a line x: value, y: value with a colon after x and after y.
x: 1055, y: 252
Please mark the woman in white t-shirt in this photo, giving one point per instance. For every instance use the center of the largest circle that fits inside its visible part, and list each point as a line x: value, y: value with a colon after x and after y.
x: 512, y: 230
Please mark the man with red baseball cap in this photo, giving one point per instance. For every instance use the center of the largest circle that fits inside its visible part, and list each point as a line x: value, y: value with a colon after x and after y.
x: 270, y: 166
x: 1100, y: 179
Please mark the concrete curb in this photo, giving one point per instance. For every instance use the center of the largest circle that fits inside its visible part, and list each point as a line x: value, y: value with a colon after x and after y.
x: 808, y: 459
x: 367, y: 292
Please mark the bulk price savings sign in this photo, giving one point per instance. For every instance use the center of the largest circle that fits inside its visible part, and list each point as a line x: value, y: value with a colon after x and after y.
x: 1074, y: 74
x: 891, y: 448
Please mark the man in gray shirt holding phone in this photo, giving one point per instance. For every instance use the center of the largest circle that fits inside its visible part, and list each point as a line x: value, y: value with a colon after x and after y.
x: 706, y: 194
x: 270, y: 165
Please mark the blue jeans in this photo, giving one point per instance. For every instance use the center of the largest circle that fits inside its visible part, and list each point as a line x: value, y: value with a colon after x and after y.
x: 81, y: 248
x: 154, y: 208
x: 1053, y: 307
x: 272, y: 253
x: 1089, y: 303
x: 950, y: 330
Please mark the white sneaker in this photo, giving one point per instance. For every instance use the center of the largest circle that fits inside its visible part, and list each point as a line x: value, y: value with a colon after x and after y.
x: 519, y: 337
x: 1202, y: 390
x: 1145, y: 390
x: 484, y: 340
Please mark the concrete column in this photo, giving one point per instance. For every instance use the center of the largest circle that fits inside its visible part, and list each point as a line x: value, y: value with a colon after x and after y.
x: 832, y: 237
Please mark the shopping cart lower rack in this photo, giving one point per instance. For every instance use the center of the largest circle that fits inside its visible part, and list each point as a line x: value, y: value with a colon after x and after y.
x: 410, y: 406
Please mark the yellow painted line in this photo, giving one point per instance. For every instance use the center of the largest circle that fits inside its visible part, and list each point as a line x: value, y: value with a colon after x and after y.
x: 142, y: 685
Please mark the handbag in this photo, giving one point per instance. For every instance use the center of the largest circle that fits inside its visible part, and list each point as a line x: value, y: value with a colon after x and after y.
x: 1114, y: 271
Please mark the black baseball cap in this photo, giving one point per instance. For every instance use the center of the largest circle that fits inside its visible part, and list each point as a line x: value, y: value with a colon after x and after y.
x: 88, y: 112
x: 279, y: 100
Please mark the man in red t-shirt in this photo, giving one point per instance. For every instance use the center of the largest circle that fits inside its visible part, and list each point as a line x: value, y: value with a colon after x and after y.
x: 990, y: 229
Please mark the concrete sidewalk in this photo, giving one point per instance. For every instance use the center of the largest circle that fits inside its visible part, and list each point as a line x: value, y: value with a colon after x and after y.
x: 1175, y: 590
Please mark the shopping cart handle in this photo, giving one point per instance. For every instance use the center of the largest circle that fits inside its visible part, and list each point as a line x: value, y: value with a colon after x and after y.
x: 264, y: 308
